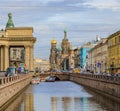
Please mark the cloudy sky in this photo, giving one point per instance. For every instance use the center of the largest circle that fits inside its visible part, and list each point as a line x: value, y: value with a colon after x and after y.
x: 83, y: 19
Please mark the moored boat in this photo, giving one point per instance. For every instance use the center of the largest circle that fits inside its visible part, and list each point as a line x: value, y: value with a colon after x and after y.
x: 50, y: 79
x: 35, y: 81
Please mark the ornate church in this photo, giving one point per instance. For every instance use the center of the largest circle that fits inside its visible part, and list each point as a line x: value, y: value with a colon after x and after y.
x: 62, y: 57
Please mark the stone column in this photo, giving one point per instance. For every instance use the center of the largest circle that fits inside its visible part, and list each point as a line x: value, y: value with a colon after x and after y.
x: 6, y: 57
x: 2, y: 58
x: 27, y: 58
x: 31, y: 58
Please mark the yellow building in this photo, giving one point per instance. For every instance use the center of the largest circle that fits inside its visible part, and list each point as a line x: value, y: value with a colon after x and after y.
x: 97, y: 58
x: 114, y: 52
x: 41, y: 65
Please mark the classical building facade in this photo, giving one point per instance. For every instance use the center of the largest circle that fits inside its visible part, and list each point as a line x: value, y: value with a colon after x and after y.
x: 97, y: 57
x: 84, y: 53
x: 62, y: 57
x: 114, y: 52
x: 16, y: 46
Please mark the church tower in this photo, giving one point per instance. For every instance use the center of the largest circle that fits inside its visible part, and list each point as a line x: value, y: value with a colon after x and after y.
x: 59, y: 57
x: 65, y: 44
x: 53, y: 54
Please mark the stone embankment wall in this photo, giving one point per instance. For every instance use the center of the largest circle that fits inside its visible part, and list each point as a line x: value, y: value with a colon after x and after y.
x: 10, y: 86
x: 107, y: 84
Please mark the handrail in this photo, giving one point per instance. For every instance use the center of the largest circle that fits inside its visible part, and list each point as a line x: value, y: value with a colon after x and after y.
x: 106, y: 78
x: 9, y: 79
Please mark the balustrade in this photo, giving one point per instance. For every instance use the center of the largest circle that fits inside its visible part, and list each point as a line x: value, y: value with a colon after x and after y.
x: 7, y: 80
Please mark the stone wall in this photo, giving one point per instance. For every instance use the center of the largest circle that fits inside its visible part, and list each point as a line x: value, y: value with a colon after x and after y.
x: 10, y: 86
x: 107, y: 84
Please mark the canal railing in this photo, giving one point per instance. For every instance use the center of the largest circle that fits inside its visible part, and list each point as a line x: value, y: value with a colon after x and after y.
x: 100, y: 77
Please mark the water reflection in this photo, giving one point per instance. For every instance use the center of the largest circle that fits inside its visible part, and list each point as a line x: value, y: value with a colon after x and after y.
x: 62, y: 96
x: 75, y: 104
x: 106, y: 101
x: 15, y: 104
x: 29, y: 103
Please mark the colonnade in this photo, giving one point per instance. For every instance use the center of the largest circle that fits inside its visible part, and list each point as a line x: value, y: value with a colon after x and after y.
x: 5, y: 57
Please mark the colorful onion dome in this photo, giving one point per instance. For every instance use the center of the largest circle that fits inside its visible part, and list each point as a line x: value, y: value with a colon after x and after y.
x: 53, y: 41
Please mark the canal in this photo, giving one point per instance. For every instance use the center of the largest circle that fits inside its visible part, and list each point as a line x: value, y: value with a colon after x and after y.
x: 61, y: 96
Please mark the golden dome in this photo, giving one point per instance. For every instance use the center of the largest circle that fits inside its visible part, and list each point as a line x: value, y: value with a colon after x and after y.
x: 53, y: 41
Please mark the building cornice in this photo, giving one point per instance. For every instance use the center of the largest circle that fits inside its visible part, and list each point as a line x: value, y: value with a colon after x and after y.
x: 114, y: 34
x: 20, y: 28
x: 18, y: 38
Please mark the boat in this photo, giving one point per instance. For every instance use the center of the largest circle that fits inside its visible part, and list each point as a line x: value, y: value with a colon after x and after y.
x: 50, y: 79
x: 35, y: 80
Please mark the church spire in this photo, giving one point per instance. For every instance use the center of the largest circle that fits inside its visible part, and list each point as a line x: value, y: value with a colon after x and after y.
x: 65, y: 33
x: 10, y: 22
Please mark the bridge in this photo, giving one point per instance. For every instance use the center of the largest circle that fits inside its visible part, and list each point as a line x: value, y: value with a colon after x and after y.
x: 59, y: 76
x: 12, y: 86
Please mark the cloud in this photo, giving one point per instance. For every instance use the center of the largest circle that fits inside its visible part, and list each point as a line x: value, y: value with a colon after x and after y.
x: 48, y: 1
x: 102, y: 4
x: 27, y: 3
x: 82, y: 19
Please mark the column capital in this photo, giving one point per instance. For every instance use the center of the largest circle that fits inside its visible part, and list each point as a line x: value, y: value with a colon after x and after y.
x: 26, y: 45
x: 31, y: 46
x: 7, y: 46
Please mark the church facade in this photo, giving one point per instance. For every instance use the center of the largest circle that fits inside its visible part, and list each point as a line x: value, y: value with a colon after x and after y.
x: 61, y: 58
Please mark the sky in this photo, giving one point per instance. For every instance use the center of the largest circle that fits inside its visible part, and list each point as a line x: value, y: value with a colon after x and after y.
x: 83, y: 20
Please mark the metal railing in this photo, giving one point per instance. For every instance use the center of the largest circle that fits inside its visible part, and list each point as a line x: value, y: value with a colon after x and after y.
x: 105, y: 78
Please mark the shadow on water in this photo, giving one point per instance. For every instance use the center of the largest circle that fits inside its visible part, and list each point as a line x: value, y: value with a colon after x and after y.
x: 39, y: 97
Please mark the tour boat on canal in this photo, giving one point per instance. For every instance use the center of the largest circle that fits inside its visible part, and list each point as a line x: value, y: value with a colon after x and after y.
x: 50, y: 79
x: 35, y: 80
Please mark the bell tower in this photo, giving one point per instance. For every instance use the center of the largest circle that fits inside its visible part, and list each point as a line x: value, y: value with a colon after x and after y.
x: 53, y: 54
x: 65, y: 44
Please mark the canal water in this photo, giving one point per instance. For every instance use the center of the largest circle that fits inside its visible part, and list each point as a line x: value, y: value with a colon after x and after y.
x: 61, y: 96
